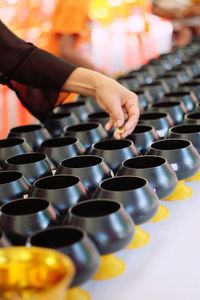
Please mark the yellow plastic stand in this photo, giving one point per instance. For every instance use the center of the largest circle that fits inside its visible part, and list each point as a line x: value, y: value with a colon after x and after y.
x: 140, y: 239
x: 181, y: 192
x: 195, y: 177
x: 161, y: 214
x: 110, y: 267
x: 77, y: 293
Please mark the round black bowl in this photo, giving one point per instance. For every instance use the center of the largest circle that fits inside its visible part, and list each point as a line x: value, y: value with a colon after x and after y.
x: 58, y: 149
x: 90, y: 168
x: 87, y: 133
x: 115, y: 152
x: 73, y: 242
x: 32, y: 165
x: 12, y: 186
x: 34, y: 134
x: 22, y: 218
x: 187, y: 98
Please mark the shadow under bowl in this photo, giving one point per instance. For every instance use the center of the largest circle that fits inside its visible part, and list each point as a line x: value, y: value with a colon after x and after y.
x: 114, y: 152
x: 61, y: 148
x: 90, y: 168
x: 73, y: 242
x: 155, y: 169
x: 12, y: 186
x: 34, y: 134
x: 61, y: 191
x: 22, y: 218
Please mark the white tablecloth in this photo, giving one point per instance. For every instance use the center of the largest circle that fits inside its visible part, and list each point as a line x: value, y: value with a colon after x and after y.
x: 166, y: 269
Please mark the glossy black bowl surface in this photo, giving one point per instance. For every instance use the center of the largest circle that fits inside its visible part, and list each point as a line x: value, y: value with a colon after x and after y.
x: 134, y: 193
x: 80, y: 108
x: 155, y: 169
x: 13, y: 185
x: 180, y: 153
x: 87, y: 133
x: 176, y: 110
x: 192, y: 118
x: 62, y: 191
x: 159, y: 120
x: 55, y: 123
x: 34, y: 134
x: 32, y: 165
x: 142, y: 137
x: 187, y: 98
x: 61, y: 148
x: 73, y: 242
x: 11, y: 147
x: 22, y: 218
x: 115, y: 152
x: 90, y: 168
x: 106, y: 223
x: 189, y: 132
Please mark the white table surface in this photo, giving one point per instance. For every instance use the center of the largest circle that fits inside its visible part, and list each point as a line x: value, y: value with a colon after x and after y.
x: 168, y: 268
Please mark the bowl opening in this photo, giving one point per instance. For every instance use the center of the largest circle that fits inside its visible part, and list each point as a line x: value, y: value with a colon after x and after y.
x: 56, y: 182
x: 59, y: 142
x: 98, y: 115
x: 144, y: 162
x: 166, y: 104
x: 95, y: 208
x: 81, y: 161
x: 82, y: 127
x: 10, y: 142
x: 195, y: 116
x: 112, y: 144
x: 170, y: 144
x: 24, y: 207
x: 26, y: 128
x: 142, y: 129
x: 152, y: 116
x: 6, y: 177
x: 122, y: 183
x: 57, y: 237
x: 177, y: 94
x: 27, y: 158
x: 186, y: 128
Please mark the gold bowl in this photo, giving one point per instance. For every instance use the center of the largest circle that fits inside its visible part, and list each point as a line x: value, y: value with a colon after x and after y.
x: 34, y: 274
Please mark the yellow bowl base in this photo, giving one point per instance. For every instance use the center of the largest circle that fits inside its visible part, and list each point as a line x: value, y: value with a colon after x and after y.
x: 110, y: 267
x: 181, y: 192
x: 161, y: 214
x: 140, y: 239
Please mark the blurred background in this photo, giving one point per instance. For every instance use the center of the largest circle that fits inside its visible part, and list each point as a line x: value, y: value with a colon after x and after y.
x: 125, y: 34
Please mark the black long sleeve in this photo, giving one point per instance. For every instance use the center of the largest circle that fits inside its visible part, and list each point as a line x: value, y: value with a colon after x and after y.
x: 35, y: 75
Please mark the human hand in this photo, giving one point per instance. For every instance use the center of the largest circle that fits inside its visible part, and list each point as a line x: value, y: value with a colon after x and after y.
x: 120, y: 103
